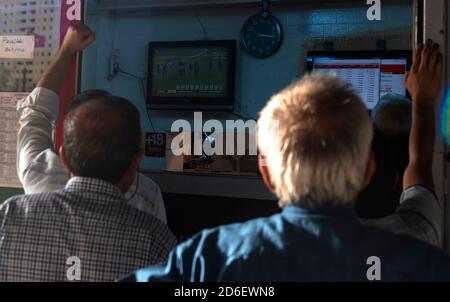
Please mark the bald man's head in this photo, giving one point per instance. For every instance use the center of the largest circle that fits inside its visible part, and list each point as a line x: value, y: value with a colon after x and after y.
x: 101, y: 138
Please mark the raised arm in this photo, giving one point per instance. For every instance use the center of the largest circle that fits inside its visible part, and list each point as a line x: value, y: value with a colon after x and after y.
x: 78, y: 37
x: 423, y: 83
x: 38, y: 167
x: 420, y: 214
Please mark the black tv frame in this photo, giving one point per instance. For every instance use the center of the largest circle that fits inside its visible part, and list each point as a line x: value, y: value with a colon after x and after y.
x: 196, y: 103
x: 363, y: 54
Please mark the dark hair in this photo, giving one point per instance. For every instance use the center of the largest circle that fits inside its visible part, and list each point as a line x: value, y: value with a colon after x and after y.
x: 101, y: 138
x: 88, y: 95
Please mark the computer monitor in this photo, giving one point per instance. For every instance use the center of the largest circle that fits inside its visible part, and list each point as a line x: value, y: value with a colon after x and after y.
x: 372, y: 74
x: 191, y: 75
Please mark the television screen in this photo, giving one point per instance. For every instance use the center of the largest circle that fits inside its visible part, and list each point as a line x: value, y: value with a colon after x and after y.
x: 371, y: 74
x: 191, y: 75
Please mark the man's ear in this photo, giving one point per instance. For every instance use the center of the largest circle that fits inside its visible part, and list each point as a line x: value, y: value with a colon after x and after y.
x: 137, y: 160
x: 64, y: 159
x: 265, y: 172
x: 370, y: 170
x: 134, y: 167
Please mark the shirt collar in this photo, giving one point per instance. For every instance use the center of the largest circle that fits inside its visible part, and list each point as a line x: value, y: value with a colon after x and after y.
x: 328, y: 211
x: 93, y: 185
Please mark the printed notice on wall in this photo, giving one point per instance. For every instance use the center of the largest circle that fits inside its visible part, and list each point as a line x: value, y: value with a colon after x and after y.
x: 8, y: 138
x: 17, y: 47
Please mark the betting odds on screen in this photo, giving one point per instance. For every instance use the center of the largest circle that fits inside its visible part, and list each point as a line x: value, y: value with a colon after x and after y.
x: 371, y: 76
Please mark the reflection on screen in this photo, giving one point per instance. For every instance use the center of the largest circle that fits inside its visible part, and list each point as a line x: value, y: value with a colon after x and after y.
x: 371, y: 78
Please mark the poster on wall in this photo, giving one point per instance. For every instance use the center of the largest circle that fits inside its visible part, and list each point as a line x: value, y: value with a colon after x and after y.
x: 8, y: 138
x: 31, y: 32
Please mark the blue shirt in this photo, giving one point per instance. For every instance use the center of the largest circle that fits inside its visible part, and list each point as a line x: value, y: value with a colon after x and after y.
x: 299, y: 244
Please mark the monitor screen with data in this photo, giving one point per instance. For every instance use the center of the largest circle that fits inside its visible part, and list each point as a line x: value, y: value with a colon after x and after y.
x: 371, y: 74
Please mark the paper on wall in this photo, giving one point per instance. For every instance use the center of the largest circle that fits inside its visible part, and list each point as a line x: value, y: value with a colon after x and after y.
x: 8, y: 138
x: 17, y: 47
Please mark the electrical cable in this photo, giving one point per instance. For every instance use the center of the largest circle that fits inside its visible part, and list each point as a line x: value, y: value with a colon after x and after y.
x: 144, y: 93
x: 142, y: 82
x: 205, y: 33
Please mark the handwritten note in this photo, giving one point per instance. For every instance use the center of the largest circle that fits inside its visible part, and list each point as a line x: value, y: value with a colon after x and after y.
x: 17, y: 47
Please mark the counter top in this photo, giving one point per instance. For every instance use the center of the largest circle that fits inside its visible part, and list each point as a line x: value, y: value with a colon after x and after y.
x: 231, y: 185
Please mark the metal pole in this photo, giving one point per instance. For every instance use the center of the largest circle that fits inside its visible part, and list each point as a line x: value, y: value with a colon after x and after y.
x: 435, y: 22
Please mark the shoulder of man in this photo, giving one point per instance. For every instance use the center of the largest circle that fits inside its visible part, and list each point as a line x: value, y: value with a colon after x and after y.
x: 147, y: 188
x: 432, y: 264
x: 148, y: 226
x: 233, y: 240
x: 419, y: 216
x: 147, y: 197
x: 408, y: 257
x: 23, y: 205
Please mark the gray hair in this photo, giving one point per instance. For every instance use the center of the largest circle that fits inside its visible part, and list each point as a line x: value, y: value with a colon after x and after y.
x: 316, y: 137
x: 392, y: 115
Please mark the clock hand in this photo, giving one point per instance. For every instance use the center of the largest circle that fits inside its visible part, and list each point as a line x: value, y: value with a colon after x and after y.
x: 268, y: 36
x: 264, y: 42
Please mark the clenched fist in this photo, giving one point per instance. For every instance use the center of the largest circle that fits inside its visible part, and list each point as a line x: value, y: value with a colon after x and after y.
x: 78, y: 37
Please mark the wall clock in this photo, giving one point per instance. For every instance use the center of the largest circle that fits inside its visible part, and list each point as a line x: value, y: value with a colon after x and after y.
x: 262, y: 34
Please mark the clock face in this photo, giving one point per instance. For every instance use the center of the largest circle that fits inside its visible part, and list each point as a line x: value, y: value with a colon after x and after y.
x: 262, y: 37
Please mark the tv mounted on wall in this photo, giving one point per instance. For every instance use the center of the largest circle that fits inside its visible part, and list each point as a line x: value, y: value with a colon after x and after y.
x: 191, y: 75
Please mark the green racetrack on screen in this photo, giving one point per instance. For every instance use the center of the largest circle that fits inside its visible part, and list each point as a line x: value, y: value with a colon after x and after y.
x: 191, y: 72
